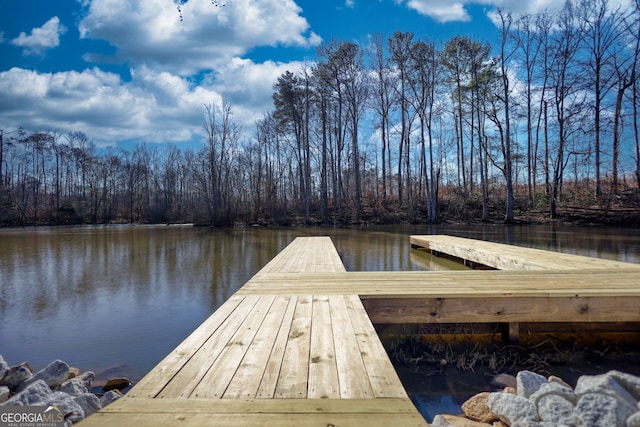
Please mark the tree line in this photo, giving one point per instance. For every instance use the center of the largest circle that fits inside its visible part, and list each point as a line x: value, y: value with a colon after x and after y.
x: 401, y: 129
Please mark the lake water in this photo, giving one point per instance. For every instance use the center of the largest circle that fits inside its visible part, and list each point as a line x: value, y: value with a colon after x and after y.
x: 117, y: 299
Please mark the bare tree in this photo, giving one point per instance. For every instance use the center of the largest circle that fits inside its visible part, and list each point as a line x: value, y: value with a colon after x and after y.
x: 400, y: 47
x: 566, y: 80
x: 382, y: 103
x: 222, y: 137
x: 506, y: 53
x: 601, y: 31
x: 529, y: 45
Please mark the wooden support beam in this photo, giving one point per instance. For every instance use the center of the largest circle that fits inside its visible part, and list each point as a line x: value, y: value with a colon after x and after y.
x: 516, y: 309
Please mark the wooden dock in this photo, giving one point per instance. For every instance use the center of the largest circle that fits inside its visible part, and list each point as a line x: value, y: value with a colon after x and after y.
x: 283, y: 358
x: 296, y: 346
x: 509, y: 257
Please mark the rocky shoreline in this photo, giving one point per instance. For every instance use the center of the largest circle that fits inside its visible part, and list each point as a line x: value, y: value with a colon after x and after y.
x: 532, y: 400
x: 527, y: 400
x: 58, y: 385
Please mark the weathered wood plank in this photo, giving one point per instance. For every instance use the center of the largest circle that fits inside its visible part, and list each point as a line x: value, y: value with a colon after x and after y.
x: 512, y: 309
x: 216, y: 380
x: 323, y: 373
x: 260, y: 412
x: 246, y: 381
x: 293, y: 377
x: 382, y: 376
x: 260, y: 406
x: 190, y: 419
x: 269, y: 382
x: 352, y: 374
x: 449, y: 284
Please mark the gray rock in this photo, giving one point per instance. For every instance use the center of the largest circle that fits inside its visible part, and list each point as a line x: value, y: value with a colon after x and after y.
x: 110, y: 397
x: 36, y: 394
x: 604, y: 384
x: 53, y: 375
x: 504, y: 380
x: 3, y: 367
x: 597, y: 410
x: 16, y: 375
x: 554, y: 379
x: 73, y: 387
x: 86, y: 378
x: 528, y: 383
x: 511, y: 408
x: 440, y: 421
x: 634, y: 420
x: 4, y: 393
x: 554, y: 408
x: 89, y: 403
x: 71, y: 410
x: 631, y: 383
x: 556, y: 389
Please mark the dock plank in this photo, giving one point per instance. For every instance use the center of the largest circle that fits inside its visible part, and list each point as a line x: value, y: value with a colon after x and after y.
x: 293, y: 377
x: 449, y: 284
x: 246, y: 382
x: 383, y: 379
x: 352, y: 373
x: 269, y: 382
x: 216, y: 380
x: 287, y: 412
x: 323, y: 373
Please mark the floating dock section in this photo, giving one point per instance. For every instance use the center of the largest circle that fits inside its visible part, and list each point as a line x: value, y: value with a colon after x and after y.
x: 296, y: 346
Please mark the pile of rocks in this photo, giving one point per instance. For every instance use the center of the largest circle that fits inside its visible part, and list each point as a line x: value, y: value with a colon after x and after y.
x: 56, y: 385
x: 610, y: 399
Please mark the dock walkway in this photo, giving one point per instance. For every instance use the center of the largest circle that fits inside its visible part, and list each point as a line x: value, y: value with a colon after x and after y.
x: 295, y: 346
x: 275, y: 358
x: 511, y: 257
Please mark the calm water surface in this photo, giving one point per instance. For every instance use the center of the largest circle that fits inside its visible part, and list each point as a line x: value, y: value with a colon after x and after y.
x: 117, y: 299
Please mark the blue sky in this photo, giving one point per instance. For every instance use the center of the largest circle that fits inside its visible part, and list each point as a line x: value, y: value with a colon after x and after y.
x: 130, y: 70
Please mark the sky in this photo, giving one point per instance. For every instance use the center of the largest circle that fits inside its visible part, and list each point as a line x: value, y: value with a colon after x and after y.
x: 128, y: 71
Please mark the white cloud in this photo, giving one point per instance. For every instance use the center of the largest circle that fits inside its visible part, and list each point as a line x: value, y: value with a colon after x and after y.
x: 350, y: 3
x: 150, y: 32
x: 249, y: 86
x: 440, y: 10
x: 175, y: 66
x: 45, y: 37
x: 448, y: 11
x: 101, y: 104
x: 156, y: 106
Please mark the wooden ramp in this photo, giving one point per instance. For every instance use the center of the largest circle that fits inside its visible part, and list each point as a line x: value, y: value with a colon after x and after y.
x: 270, y: 358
